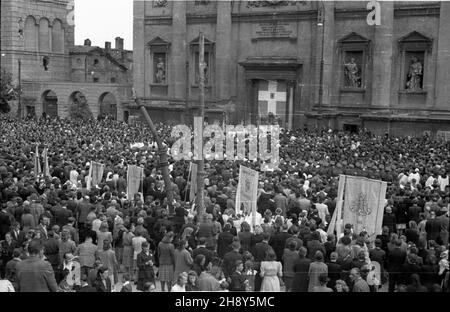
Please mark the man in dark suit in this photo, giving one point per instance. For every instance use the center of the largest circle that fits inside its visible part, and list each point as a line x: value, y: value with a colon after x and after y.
x: 230, y: 258
x: 278, y: 241
x: 260, y: 253
x: 5, y: 222
x: 103, y: 282
x: 389, y: 220
x: 51, y: 251
x: 396, y: 259
x: 301, y: 270
x: 17, y: 235
x: 62, y: 215
x: 121, y: 184
x: 315, y: 245
x: 201, y: 249
x: 334, y: 269
x: 433, y: 227
x: 414, y: 211
x: 34, y: 274
x: 224, y: 241
x: 44, y: 222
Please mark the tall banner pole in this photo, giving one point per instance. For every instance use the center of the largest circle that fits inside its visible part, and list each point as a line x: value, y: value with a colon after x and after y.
x: 339, y: 205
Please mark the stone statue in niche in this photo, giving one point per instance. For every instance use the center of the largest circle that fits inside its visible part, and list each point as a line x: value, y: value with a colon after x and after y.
x: 352, y: 74
x: 20, y: 22
x: 160, y: 76
x: 160, y: 3
x: 414, y: 77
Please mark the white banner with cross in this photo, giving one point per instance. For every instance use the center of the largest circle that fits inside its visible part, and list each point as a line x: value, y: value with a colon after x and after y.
x: 272, y: 98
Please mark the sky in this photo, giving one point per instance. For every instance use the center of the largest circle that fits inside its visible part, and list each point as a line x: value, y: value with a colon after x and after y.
x: 104, y: 20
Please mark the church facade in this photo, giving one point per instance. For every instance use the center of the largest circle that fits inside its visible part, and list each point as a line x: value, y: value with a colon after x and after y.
x: 298, y: 63
x: 38, y: 44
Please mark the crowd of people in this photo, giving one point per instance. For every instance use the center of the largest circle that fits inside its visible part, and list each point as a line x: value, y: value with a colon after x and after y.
x: 56, y: 235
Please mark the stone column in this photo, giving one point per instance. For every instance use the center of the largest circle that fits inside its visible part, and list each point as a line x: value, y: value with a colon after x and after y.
x: 178, y: 50
x: 382, y: 56
x: 290, y: 121
x: 328, y: 49
x: 223, y: 50
x: 443, y: 59
x: 139, y: 47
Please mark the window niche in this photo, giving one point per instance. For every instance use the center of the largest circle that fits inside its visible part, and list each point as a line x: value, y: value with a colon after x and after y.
x: 353, y: 55
x: 414, y: 49
x: 159, y: 49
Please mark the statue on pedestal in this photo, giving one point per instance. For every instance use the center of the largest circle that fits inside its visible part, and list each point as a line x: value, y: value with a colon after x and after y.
x: 414, y: 78
x: 160, y: 76
x: 352, y: 74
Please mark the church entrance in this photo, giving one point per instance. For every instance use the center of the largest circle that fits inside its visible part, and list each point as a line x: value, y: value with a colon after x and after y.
x: 272, y: 90
x: 273, y: 101
x: 50, y: 103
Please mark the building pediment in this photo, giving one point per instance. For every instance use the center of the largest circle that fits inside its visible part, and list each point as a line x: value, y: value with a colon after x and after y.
x: 196, y: 41
x: 158, y: 45
x: 158, y: 41
x: 354, y: 38
x: 415, y: 41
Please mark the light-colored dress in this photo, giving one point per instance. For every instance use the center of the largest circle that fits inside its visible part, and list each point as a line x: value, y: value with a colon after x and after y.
x: 183, y: 263
x: 101, y: 237
x: 315, y: 269
x: 271, y: 271
x: 127, y: 257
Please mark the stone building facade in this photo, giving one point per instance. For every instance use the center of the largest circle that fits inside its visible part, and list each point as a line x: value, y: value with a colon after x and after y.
x: 39, y: 35
x: 305, y: 63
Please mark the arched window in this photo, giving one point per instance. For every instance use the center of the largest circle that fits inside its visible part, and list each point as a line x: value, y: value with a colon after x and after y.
x: 30, y: 34
x: 57, y: 37
x: 44, y: 35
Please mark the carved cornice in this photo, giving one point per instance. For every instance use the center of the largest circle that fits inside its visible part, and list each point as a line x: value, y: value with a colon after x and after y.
x: 427, y: 9
x: 274, y: 16
x: 158, y: 20
x: 201, y: 18
x: 432, y: 9
x: 272, y: 3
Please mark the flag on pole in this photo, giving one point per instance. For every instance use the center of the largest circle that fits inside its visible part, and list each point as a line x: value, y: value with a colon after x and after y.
x: 97, y: 173
x: 246, y: 194
x: 362, y: 205
x: 193, y: 182
x: 46, y: 168
x: 89, y: 179
x: 135, y: 175
x: 37, y: 164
